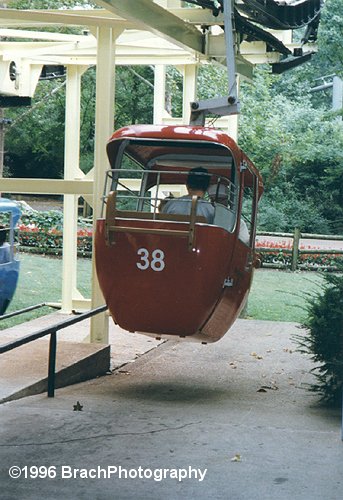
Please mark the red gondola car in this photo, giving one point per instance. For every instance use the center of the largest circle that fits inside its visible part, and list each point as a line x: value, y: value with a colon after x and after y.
x: 167, y: 274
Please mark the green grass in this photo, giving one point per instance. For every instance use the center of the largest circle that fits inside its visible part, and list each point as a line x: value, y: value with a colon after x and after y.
x: 282, y: 295
x: 40, y: 281
x: 275, y: 295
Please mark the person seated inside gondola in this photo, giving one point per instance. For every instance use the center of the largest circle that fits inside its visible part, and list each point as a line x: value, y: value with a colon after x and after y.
x: 197, y: 183
x: 220, y: 194
x: 5, y: 250
x: 163, y: 202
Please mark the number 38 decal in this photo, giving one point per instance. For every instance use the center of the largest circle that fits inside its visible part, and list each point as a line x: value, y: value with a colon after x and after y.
x: 156, y: 262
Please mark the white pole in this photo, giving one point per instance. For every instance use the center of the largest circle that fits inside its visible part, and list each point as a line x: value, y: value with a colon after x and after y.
x: 190, y: 72
x: 71, y: 171
x: 104, y: 116
x: 159, y: 93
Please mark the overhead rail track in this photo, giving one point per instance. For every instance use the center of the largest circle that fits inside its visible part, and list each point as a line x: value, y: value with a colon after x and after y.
x: 255, y: 33
x: 274, y: 14
x: 279, y: 15
x: 251, y: 16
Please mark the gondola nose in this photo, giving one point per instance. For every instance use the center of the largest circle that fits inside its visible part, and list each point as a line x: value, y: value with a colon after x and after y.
x: 153, y: 283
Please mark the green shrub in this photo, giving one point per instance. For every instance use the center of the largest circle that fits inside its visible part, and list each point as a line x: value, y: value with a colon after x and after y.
x: 323, y: 340
x: 43, y: 220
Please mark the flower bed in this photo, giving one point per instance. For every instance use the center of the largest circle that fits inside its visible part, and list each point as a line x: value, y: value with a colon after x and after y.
x: 279, y: 254
x: 32, y: 238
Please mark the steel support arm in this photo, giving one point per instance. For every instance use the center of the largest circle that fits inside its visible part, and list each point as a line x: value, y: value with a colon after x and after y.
x: 158, y: 20
x: 229, y: 105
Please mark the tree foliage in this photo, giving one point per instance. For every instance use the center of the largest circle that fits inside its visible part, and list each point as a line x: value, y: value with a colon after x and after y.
x: 134, y: 95
x: 295, y: 139
x: 298, y: 149
x: 35, y: 141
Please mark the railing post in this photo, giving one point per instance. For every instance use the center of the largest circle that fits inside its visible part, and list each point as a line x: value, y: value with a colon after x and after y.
x: 52, y: 365
x: 295, y: 249
x: 193, y: 214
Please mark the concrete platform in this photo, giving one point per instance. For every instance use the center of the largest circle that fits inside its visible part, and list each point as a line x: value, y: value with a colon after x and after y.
x: 231, y: 420
x: 24, y: 370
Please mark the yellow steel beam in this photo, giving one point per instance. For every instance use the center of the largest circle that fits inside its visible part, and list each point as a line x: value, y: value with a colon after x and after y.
x: 92, y: 17
x: 46, y: 186
x: 198, y: 16
x: 158, y: 20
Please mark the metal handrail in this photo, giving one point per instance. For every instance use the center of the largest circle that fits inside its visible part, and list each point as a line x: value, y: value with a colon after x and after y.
x: 115, y: 183
x: 27, y: 309
x: 52, y: 331
x: 111, y: 227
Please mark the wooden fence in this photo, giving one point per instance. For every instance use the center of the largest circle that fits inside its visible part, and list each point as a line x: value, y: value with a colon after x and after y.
x: 296, y: 251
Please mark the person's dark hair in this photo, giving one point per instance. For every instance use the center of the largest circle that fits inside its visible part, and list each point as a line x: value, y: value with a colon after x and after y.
x: 198, y: 178
x: 3, y: 232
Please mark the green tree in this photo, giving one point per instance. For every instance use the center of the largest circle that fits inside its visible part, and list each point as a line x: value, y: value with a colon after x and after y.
x: 35, y: 141
x: 134, y: 95
x: 330, y: 35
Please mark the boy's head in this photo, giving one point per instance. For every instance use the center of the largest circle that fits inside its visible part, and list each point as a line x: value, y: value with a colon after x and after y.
x: 198, y: 179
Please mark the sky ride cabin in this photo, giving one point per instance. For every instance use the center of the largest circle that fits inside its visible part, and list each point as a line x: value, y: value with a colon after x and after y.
x: 171, y: 275
x: 9, y: 264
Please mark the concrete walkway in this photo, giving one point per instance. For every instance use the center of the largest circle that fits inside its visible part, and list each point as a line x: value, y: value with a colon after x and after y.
x: 224, y: 421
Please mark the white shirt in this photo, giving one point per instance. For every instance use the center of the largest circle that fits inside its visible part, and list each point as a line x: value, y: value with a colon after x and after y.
x: 182, y: 206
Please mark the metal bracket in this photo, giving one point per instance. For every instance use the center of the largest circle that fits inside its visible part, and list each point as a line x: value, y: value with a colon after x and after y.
x: 228, y: 105
x: 228, y: 282
x: 243, y: 166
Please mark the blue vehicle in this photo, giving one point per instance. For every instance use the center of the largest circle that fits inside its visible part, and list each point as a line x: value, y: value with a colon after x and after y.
x: 9, y: 264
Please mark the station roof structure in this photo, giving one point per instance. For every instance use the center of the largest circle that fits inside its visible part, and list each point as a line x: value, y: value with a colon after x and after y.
x: 150, y: 33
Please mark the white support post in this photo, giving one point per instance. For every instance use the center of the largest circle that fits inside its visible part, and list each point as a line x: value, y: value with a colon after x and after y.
x: 173, y: 4
x: 190, y: 72
x: 71, y: 172
x: 159, y: 93
x: 233, y: 120
x: 104, y: 114
x: 232, y: 127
